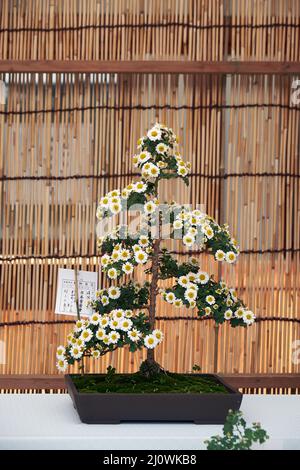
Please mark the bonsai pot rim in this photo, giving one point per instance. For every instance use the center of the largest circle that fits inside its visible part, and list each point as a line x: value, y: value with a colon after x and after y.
x: 230, y: 389
x: 116, y: 407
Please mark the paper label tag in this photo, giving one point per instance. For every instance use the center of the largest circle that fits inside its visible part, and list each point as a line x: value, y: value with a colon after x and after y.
x: 65, y: 296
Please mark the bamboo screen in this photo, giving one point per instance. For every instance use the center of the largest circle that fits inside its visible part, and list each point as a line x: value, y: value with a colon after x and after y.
x: 66, y: 139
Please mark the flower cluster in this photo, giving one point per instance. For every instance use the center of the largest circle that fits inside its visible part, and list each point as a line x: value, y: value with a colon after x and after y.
x: 100, y: 334
x: 121, y: 255
x: 132, y: 294
x: 211, y: 299
x: 198, y: 228
x: 157, y: 157
x: 117, y: 200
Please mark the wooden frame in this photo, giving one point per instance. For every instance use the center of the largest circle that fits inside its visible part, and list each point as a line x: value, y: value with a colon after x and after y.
x: 149, y: 66
x: 57, y: 382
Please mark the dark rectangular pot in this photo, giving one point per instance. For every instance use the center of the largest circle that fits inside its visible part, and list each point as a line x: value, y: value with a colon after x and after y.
x: 112, y: 408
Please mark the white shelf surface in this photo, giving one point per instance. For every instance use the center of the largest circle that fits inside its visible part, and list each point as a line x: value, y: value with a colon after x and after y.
x: 46, y: 421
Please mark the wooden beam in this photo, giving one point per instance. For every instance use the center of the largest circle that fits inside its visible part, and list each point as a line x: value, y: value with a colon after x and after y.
x: 263, y: 380
x: 57, y: 382
x: 148, y: 66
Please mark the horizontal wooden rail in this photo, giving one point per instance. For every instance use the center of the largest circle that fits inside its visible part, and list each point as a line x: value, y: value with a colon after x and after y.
x: 57, y: 382
x: 149, y: 66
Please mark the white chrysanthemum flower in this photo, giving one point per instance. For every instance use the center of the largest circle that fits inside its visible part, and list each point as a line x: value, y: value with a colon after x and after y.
x: 192, y: 286
x: 182, y: 171
x: 135, y: 161
x: 114, y: 292
x: 62, y: 365
x: 118, y: 313
x: 99, y: 214
x: 229, y: 302
x: 100, y: 333
x: 96, y: 354
x: 239, y: 313
x: 114, y: 324
x: 183, y: 281
x: 154, y: 134
x: 207, y: 310
x: 125, y: 324
x: 192, y: 231
x: 71, y: 339
x: 150, y: 207
x: 228, y: 314
x: 116, y: 255
x: 136, y: 248
x: 141, y: 257
x: 190, y: 295
x: 105, y: 260
x: 140, y: 142
x: 124, y: 254
x: 150, y: 342
x: 112, y: 273
x: 178, y: 303
x: 76, y: 352
x: 144, y: 241
x: 106, y: 340
x: 210, y: 299
x: 60, y: 352
x: 95, y: 318
x: 248, y: 317
x: 162, y: 148
x: 104, y: 300
x: 208, y: 231
x: 115, y: 207
x: 143, y: 157
x: 140, y: 187
x: 113, y: 337
x: 230, y: 257
x: 219, y: 255
x: 161, y: 165
x: 104, y: 202
x: 104, y: 321
x: 145, y: 169
x: 192, y: 277
x: 177, y: 224
x: 86, y: 335
x: 125, y: 193
x: 79, y: 325
x: 158, y: 334
x: 233, y: 294
x: 127, y: 268
x: 188, y: 240
x: 134, y: 335
x: 153, y: 171
x: 114, y: 193
x: 203, y: 277
x: 183, y: 215
x: 170, y: 297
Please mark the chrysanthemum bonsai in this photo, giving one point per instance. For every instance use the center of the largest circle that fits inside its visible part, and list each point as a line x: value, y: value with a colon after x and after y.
x: 123, y: 315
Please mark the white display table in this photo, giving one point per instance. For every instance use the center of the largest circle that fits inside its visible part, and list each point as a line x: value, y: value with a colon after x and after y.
x: 50, y: 422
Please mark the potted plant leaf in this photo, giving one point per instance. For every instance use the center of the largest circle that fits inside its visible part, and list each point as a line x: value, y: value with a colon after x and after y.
x: 123, y: 314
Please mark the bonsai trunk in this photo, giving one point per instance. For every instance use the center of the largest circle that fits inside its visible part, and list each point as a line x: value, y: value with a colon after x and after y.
x: 154, y: 285
x: 153, y: 293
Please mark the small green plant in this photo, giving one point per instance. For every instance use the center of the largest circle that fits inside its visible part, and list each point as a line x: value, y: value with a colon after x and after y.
x: 236, y: 434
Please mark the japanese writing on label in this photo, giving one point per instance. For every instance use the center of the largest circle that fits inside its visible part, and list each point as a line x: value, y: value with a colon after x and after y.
x: 66, y: 295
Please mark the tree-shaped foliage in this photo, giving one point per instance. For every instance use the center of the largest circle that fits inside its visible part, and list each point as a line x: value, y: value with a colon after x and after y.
x: 124, y: 314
